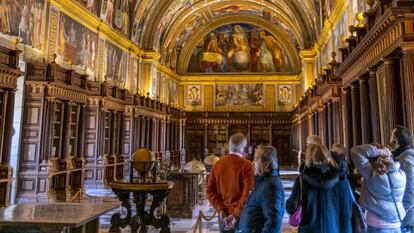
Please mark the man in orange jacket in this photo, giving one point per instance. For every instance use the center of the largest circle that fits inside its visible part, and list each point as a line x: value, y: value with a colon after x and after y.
x: 231, y: 180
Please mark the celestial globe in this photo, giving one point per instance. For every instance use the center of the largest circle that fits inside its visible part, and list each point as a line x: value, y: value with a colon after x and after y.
x: 211, y: 160
x: 143, y: 161
x: 194, y: 166
x: 241, y: 60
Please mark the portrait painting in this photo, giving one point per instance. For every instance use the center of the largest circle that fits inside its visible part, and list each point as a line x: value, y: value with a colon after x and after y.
x: 285, y: 95
x: 92, y: 5
x: 239, y: 95
x: 116, y: 61
x: 194, y: 95
x: 239, y: 48
x: 76, y: 43
x: 23, y: 19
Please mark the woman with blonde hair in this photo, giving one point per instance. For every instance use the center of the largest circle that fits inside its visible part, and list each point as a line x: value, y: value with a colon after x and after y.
x: 326, y: 197
x: 382, y: 188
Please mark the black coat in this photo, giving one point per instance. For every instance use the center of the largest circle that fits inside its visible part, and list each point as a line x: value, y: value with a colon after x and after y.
x: 264, y: 209
x: 327, y: 201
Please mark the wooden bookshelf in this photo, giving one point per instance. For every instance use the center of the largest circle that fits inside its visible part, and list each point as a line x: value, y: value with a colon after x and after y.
x: 194, y: 142
x: 74, y: 120
x: 217, y: 138
x: 259, y: 132
x: 57, y: 129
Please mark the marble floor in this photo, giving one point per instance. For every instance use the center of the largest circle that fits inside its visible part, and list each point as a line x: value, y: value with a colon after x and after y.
x: 188, y: 225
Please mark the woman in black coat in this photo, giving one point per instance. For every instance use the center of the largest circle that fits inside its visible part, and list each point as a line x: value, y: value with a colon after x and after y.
x: 326, y: 196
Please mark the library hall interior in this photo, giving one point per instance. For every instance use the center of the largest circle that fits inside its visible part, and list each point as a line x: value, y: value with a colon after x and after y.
x: 206, y: 116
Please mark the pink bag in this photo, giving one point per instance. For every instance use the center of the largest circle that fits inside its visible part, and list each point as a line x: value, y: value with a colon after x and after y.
x: 295, y: 218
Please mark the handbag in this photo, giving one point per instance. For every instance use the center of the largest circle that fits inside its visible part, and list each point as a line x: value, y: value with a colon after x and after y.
x: 296, y: 217
x: 358, y: 221
x: 403, y: 229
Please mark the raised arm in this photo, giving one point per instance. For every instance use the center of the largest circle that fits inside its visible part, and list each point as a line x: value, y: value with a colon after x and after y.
x: 360, y: 156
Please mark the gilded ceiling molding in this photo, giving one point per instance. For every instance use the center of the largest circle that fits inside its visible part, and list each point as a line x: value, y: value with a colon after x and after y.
x: 199, y: 34
x: 330, y: 24
x: 240, y: 78
x: 168, y: 73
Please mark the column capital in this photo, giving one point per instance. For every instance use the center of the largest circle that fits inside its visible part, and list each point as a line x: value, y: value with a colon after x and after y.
x: 372, y: 72
x: 389, y: 60
x: 364, y: 79
x: 408, y: 50
x: 354, y: 86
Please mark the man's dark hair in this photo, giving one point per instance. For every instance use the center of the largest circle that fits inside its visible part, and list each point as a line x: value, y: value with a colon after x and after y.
x: 403, y: 135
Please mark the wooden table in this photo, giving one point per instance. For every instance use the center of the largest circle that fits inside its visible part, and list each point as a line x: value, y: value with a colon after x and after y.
x: 53, y: 217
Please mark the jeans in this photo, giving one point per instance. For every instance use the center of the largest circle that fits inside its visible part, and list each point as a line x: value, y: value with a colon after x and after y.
x: 383, y: 230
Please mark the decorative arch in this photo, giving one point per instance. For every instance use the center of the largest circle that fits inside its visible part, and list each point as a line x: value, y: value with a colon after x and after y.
x: 198, y: 35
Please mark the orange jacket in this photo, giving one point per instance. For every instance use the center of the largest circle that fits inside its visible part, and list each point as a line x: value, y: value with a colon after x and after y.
x: 229, y: 185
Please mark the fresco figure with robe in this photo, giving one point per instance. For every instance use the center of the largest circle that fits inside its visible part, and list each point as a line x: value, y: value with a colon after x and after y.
x: 239, y: 48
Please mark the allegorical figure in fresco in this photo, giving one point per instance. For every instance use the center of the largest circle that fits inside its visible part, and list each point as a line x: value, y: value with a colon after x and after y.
x: 62, y: 36
x: 268, y: 42
x: 91, y: 5
x: 237, y: 42
x: 16, y: 7
x: 254, y: 46
x: 4, y: 17
x: 212, y: 58
x: 24, y: 20
x: 222, y: 44
x: 37, y: 25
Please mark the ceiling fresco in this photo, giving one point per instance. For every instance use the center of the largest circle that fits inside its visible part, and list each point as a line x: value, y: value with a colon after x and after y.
x: 239, y: 48
x: 170, y: 26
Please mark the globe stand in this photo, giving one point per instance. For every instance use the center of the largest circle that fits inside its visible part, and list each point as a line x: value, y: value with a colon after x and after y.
x: 140, y: 190
x: 152, y: 166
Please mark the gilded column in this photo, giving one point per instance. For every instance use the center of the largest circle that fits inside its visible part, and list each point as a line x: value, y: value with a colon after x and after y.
x: 373, y: 97
x: 356, y: 114
x: 365, y: 110
x: 390, y: 81
x: 408, y: 85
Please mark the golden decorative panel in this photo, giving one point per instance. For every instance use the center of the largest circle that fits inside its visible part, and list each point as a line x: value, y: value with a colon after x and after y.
x: 208, y: 97
x: 270, y: 97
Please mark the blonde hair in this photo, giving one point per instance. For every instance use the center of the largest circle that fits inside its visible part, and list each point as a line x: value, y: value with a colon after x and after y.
x: 317, y: 154
x: 382, y: 164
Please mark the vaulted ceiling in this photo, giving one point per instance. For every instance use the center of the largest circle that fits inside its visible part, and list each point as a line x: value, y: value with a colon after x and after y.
x: 174, y: 27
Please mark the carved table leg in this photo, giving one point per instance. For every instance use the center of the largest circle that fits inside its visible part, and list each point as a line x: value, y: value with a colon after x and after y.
x: 163, y: 221
x: 116, y: 220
